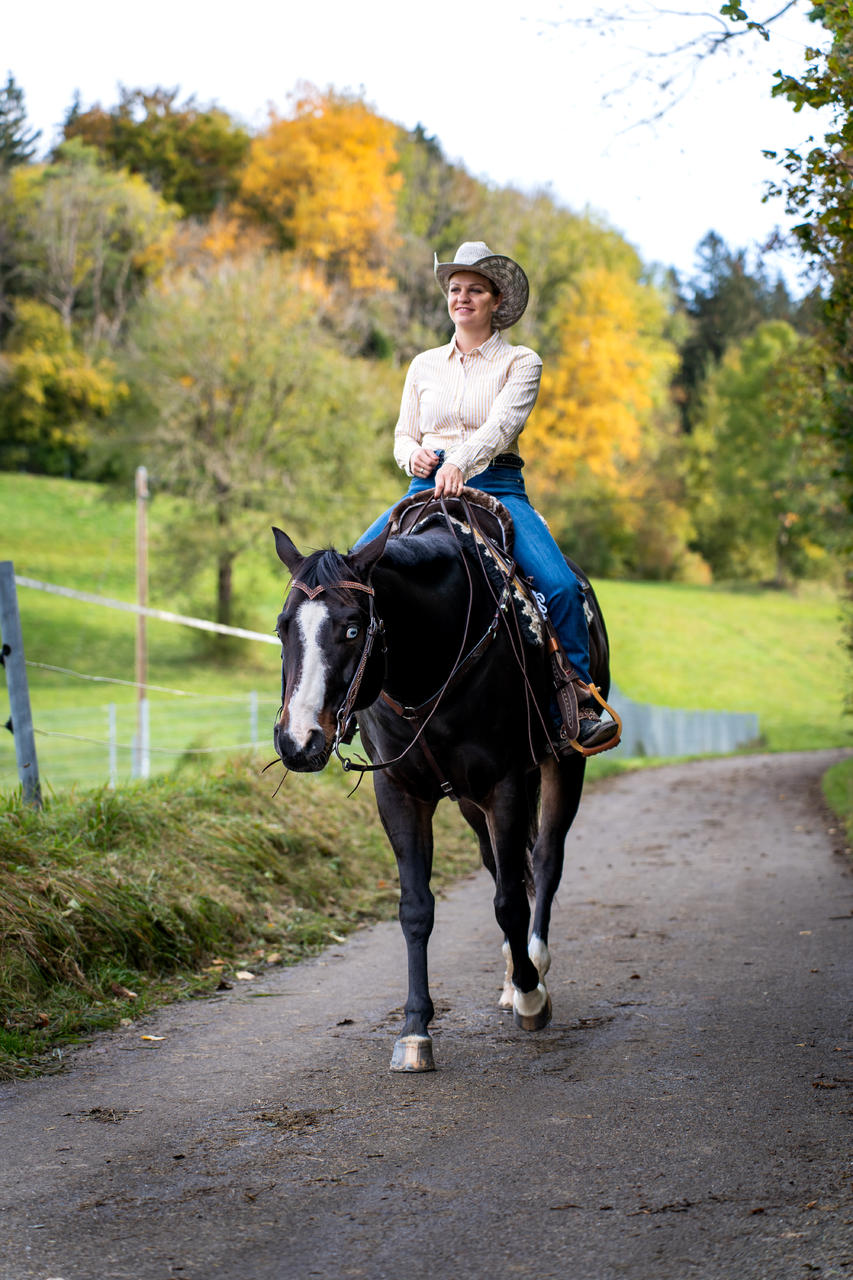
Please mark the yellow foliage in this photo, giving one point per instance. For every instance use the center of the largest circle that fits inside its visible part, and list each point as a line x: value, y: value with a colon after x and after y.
x: 325, y: 178
x: 609, y: 374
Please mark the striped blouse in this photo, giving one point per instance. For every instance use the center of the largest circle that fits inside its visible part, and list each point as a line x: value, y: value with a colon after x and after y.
x: 472, y: 406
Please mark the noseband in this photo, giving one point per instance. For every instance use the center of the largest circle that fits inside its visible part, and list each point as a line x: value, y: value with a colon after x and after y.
x: 375, y: 627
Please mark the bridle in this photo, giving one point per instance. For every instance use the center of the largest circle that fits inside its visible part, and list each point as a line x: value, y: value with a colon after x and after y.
x: 375, y: 628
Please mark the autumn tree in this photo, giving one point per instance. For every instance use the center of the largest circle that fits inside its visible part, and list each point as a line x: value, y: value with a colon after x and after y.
x: 601, y: 439
x: 191, y: 154
x: 53, y: 397
x: 243, y: 409
x: 323, y: 179
x: 89, y: 239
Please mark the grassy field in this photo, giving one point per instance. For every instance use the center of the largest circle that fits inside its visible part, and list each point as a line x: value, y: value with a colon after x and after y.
x: 776, y: 654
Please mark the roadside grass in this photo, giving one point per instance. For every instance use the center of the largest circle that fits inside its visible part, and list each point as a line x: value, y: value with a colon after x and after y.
x: 838, y: 789
x: 112, y: 902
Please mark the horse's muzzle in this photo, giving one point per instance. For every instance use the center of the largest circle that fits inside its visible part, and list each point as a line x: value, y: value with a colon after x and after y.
x: 309, y: 758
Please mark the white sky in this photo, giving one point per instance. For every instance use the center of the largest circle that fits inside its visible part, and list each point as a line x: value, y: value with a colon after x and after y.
x: 512, y: 91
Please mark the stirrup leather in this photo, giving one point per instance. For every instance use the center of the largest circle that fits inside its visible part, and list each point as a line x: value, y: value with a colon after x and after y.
x: 567, y: 683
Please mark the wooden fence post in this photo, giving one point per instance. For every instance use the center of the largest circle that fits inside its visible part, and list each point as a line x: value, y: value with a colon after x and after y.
x: 21, y: 720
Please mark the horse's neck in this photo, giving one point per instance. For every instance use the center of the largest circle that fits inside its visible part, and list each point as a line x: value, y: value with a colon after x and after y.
x: 423, y: 602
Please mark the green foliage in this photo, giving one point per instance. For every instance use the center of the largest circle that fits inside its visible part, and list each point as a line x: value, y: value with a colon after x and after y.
x: 17, y: 141
x: 725, y: 301
x: 90, y: 240
x: 191, y: 154
x: 764, y: 503
x: 51, y: 394
x: 818, y: 190
x: 240, y: 403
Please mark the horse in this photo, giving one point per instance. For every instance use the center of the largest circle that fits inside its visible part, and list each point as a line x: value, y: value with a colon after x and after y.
x: 408, y: 636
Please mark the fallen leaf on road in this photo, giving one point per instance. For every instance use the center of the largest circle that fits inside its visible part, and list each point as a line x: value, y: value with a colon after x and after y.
x: 243, y: 975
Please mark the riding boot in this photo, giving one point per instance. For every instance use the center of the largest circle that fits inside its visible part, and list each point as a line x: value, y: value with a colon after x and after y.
x: 581, y: 728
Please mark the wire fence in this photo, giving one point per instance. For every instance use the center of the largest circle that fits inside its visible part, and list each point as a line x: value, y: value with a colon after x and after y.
x: 86, y: 746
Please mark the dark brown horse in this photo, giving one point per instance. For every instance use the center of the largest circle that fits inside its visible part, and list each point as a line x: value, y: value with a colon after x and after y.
x: 447, y: 675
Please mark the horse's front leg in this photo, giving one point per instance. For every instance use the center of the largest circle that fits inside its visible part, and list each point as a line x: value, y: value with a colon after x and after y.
x: 508, y: 821
x: 562, y: 783
x: 408, y: 824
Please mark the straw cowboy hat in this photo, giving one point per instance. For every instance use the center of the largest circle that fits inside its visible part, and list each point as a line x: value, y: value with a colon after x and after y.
x: 507, y: 275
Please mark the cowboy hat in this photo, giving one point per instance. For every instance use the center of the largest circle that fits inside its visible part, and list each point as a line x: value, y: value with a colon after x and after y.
x: 505, y: 274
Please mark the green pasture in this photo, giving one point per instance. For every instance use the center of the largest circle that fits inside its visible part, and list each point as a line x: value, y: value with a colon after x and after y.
x: 778, y: 654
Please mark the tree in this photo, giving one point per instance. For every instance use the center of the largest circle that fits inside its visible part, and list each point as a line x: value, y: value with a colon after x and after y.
x: 17, y: 141
x: 192, y: 155
x: 324, y: 181
x: 764, y: 504
x: 725, y: 301
x: 603, y: 435
x: 818, y: 189
x: 594, y: 397
x: 244, y: 411
x: 89, y: 239
x: 52, y: 396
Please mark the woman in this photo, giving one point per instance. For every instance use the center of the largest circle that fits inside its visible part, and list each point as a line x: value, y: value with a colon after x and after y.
x: 464, y: 406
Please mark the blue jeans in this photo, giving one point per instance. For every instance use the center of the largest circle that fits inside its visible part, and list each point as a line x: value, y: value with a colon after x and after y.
x: 536, y: 554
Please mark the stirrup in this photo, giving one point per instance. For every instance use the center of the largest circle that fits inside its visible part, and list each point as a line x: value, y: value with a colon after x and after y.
x: 595, y: 692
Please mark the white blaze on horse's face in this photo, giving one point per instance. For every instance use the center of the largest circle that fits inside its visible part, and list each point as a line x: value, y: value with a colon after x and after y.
x: 308, y: 698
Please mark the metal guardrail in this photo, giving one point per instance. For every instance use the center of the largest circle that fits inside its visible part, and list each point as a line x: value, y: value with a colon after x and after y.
x: 649, y: 730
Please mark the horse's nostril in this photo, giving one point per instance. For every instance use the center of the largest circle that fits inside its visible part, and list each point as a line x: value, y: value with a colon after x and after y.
x: 316, y: 743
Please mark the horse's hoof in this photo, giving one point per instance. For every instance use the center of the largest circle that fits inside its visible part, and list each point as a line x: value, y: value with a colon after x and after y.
x: 413, y: 1053
x: 532, y: 1009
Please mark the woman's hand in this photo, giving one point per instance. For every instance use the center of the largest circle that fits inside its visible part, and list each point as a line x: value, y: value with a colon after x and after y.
x: 423, y: 462
x: 448, y: 481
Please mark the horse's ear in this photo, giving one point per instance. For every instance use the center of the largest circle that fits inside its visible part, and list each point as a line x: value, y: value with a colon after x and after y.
x: 287, y: 552
x: 364, y: 560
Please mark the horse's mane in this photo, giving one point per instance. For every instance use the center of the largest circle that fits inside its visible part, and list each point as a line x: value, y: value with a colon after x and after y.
x: 325, y: 569
x: 422, y: 545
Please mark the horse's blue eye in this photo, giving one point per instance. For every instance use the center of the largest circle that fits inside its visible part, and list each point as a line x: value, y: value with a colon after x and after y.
x: 352, y: 632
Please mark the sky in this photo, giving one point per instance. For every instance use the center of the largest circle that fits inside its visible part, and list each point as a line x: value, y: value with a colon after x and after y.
x: 519, y: 93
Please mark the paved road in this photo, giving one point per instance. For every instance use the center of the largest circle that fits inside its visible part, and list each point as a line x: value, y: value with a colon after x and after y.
x: 687, y: 1113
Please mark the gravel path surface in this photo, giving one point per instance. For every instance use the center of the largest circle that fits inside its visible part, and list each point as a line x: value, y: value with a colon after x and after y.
x: 686, y: 1114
